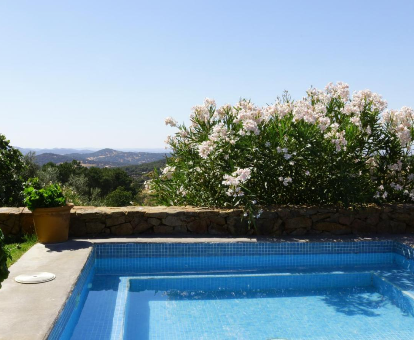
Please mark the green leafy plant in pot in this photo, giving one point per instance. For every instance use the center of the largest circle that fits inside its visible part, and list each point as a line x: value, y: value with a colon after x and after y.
x: 51, y: 213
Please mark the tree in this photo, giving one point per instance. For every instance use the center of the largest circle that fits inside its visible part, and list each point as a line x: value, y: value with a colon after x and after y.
x: 31, y: 168
x: 12, y: 167
x: 67, y: 169
x: 118, y: 198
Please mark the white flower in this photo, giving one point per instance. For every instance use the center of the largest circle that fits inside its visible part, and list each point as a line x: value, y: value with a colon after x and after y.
x: 396, y: 186
x: 182, y: 191
x: 205, y: 148
x: 287, y: 156
x: 251, y: 126
x: 183, y: 133
x: 219, y: 132
x: 307, y: 173
x: 209, y: 102
x: 234, y: 180
x: 267, y: 144
x: 170, y: 121
x: 148, y: 185
x: 287, y: 180
x: 200, y: 112
x: 396, y: 167
x: 168, y: 172
x: 340, y: 90
x: 223, y: 110
x: 356, y: 121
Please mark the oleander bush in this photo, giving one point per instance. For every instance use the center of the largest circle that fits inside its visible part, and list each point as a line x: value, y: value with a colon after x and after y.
x: 327, y: 148
x: 4, y: 256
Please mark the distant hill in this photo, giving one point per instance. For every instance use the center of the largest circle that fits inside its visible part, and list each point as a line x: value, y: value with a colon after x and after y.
x: 65, y: 151
x: 58, y: 151
x: 102, y: 158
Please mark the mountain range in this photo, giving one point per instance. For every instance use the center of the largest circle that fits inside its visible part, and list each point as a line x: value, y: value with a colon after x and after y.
x: 65, y: 151
x: 102, y: 158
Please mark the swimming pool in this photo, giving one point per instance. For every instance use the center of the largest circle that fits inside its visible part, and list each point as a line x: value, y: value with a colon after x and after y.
x: 295, y: 291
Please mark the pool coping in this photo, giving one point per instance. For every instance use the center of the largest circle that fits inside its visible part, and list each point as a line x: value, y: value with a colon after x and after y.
x: 30, y: 311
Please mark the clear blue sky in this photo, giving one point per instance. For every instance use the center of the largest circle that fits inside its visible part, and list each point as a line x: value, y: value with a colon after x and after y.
x: 85, y: 73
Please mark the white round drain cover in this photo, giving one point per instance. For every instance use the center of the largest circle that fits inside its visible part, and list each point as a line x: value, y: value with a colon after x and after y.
x: 35, y: 278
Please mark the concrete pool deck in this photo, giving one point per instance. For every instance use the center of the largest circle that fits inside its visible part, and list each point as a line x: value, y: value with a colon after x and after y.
x: 29, y: 311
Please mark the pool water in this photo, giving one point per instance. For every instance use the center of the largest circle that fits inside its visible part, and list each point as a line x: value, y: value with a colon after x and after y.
x: 313, y: 296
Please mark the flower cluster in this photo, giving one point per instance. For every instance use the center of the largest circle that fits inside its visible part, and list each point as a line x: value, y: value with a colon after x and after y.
x: 235, y: 180
x: 401, y: 123
x: 168, y: 172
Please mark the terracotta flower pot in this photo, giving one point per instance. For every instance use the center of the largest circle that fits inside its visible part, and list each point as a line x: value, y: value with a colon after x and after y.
x: 52, y: 224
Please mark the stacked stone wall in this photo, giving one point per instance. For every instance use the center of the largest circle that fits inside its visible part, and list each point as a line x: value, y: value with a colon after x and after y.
x: 275, y: 221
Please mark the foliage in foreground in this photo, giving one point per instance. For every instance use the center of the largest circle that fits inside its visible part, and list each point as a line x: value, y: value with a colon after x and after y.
x: 4, y: 256
x: 12, y: 168
x: 18, y: 245
x: 327, y: 148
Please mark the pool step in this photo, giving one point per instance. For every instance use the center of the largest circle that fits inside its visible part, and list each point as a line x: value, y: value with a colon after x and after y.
x: 252, y: 282
x: 398, y: 285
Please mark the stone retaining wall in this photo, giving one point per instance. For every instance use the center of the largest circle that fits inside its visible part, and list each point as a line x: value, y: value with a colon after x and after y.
x: 282, y: 220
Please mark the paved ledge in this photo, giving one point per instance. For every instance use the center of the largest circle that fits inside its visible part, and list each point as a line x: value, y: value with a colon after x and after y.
x: 406, y: 239
x: 28, y: 312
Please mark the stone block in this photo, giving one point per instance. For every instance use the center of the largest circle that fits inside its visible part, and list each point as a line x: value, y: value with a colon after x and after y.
x: 333, y: 228
x: 122, y: 229
x: 94, y: 227
x: 154, y: 221
x: 298, y: 222
x: 397, y: 227
x: 373, y: 219
x: 320, y: 217
x: 163, y: 229
x: 181, y: 229
x: 383, y: 227
x: 172, y: 221
x: 239, y: 227
x: 345, y: 219
x: 198, y: 226
x: 362, y: 227
x: 401, y: 217
x: 140, y: 225
x: 268, y: 226
x: 299, y: 232
x: 115, y: 220
x: 217, y: 219
x: 216, y: 229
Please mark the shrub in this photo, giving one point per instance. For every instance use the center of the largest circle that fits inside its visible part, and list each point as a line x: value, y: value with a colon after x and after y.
x: 4, y: 255
x: 118, y: 198
x: 326, y: 148
x: 48, y: 197
x: 11, y: 168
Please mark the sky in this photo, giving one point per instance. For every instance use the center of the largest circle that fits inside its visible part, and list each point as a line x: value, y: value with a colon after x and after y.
x: 99, y: 73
